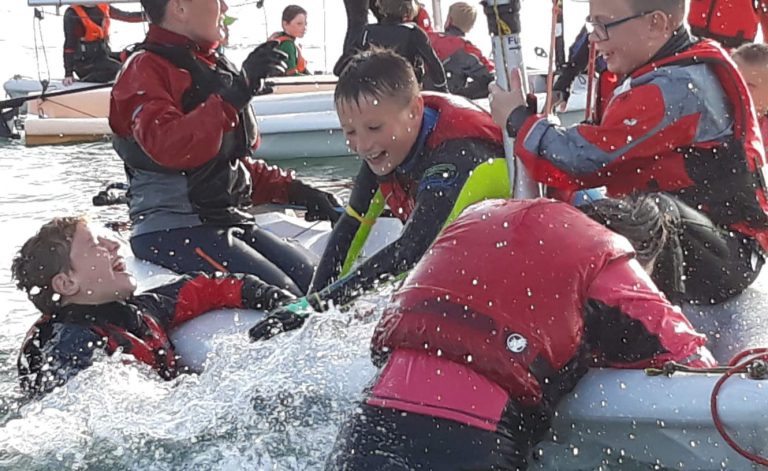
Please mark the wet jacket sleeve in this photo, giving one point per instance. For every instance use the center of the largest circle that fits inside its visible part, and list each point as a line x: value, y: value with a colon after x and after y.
x: 73, y: 31
x: 630, y: 324
x: 270, y: 183
x: 66, y: 352
x: 437, y: 194
x: 473, y: 50
x: 434, y: 66
x: 146, y: 105
x: 329, y: 267
x: 647, y: 120
x: 126, y: 16
x: 198, y: 294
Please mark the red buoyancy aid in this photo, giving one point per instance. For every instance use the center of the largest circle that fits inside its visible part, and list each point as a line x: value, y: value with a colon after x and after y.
x: 301, y: 63
x: 732, y: 22
x: 93, y: 31
x: 458, y: 118
x: 155, y: 350
x: 485, y: 295
x: 423, y: 20
x: 445, y: 45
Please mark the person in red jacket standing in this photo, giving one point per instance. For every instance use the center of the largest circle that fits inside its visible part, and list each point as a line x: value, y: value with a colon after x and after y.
x: 468, y: 71
x: 495, y: 325
x: 184, y: 128
x: 680, y: 129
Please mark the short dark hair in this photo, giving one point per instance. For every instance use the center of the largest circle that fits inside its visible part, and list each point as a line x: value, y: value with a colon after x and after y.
x: 752, y: 54
x: 397, y: 10
x: 43, y: 256
x: 376, y: 73
x: 155, y: 10
x: 292, y: 11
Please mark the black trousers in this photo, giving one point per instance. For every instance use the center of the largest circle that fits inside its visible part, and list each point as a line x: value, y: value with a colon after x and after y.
x: 383, y: 439
x: 240, y: 249
x: 99, y: 69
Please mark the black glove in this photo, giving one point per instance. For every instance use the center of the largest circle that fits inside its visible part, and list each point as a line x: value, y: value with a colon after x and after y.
x: 264, y: 61
x: 321, y: 205
x: 284, y: 319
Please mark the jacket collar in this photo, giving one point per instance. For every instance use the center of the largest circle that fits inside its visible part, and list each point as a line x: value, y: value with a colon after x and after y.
x: 160, y: 35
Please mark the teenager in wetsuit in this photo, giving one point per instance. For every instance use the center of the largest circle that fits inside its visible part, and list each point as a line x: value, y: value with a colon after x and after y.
x: 427, y: 157
x: 396, y: 31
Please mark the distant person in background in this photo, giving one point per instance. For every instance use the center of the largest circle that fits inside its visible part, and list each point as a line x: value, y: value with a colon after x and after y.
x: 294, y: 27
x: 467, y: 70
x: 422, y: 18
x: 396, y: 31
x: 752, y: 61
x: 86, y: 42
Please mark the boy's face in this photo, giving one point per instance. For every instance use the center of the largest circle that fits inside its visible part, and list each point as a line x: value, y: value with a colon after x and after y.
x: 203, y: 19
x: 756, y: 76
x: 381, y: 131
x: 98, y: 272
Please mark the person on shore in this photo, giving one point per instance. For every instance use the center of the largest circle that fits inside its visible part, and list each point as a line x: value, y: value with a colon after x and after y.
x: 184, y: 128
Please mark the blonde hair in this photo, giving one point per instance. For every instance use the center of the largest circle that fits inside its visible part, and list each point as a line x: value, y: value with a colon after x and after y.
x: 462, y: 15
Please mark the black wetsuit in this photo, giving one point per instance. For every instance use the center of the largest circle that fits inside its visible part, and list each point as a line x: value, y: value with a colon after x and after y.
x: 92, y: 61
x: 407, y: 40
x: 357, y: 18
x: 434, y: 178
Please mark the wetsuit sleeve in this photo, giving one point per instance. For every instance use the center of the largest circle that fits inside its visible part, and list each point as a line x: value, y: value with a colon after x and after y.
x: 631, y: 324
x: 356, y: 44
x: 146, y: 104
x: 270, y: 183
x: 289, y: 47
x: 73, y: 31
x: 67, y: 351
x: 197, y: 294
x: 645, y: 121
x: 438, y: 191
x: 475, y: 51
x: 344, y: 231
x: 126, y: 16
x: 431, y: 61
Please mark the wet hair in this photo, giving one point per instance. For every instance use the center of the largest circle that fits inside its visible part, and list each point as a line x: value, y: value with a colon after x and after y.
x: 376, y: 73
x: 155, y: 10
x: 639, y: 219
x: 292, y: 11
x: 463, y: 16
x: 42, y: 257
x: 396, y: 10
x: 752, y: 54
x: 674, y: 8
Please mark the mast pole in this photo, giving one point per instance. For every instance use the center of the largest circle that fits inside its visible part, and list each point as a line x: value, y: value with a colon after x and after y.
x: 504, y: 27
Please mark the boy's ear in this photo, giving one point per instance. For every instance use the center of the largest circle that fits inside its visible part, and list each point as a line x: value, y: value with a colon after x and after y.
x: 417, y: 106
x: 64, y: 285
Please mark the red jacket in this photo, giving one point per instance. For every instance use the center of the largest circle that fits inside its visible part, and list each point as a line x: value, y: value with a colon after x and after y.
x: 678, y: 125
x: 146, y: 104
x: 510, y: 303
x: 446, y: 45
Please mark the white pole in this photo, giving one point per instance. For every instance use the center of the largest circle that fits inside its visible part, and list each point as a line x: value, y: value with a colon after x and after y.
x: 504, y: 28
x: 437, y: 16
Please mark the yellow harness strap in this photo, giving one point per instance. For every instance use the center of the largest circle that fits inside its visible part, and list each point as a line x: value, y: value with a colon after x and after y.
x: 360, y: 218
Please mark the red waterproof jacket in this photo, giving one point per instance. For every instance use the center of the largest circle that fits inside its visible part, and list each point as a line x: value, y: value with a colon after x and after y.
x: 511, y: 303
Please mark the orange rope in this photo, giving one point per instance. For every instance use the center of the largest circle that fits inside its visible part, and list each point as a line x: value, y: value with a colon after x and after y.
x: 588, y: 112
x: 218, y: 266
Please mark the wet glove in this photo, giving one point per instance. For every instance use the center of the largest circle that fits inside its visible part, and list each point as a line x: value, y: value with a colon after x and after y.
x: 264, y: 61
x: 289, y: 317
x: 321, y: 205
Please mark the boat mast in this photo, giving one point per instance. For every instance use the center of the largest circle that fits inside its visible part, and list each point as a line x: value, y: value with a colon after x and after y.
x: 437, y: 16
x: 504, y: 27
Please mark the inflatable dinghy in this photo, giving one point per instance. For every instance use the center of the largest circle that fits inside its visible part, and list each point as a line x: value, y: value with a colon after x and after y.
x: 614, y: 419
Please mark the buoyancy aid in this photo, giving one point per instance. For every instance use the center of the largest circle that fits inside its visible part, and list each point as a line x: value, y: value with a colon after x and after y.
x: 499, y: 324
x: 455, y: 120
x: 301, y: 63
x: 732, y: 22
x: 725, y: 179
x: 220, y: 187
x: 93, y: 31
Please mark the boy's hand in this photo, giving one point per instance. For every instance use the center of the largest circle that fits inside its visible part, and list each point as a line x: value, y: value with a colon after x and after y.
x: 504, y: 102
x: 289, y: 317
